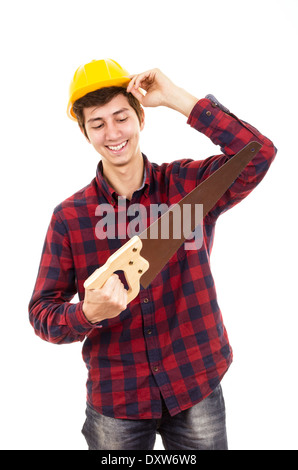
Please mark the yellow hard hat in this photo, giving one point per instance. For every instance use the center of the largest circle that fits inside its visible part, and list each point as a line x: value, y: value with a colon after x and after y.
x: 94, y: 75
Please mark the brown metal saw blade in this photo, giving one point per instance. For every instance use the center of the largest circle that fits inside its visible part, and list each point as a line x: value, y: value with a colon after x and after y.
x: 158, y: 249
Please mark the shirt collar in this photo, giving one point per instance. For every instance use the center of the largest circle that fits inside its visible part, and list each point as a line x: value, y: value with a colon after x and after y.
x: 110, y: 193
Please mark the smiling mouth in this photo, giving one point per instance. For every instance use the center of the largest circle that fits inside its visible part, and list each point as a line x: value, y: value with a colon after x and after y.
x: 117, y: 148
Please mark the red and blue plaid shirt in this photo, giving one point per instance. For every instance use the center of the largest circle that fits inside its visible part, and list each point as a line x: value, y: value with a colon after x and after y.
x: 170, y: 342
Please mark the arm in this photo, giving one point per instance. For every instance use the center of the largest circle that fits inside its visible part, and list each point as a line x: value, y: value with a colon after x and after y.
x: 215, y: 121
x: 51, y: 313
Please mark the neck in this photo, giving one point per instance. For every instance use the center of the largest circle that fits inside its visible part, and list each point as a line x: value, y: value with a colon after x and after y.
x: 125, y: 180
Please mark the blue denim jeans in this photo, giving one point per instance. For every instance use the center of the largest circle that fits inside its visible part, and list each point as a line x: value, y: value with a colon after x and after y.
x: 202, y: 427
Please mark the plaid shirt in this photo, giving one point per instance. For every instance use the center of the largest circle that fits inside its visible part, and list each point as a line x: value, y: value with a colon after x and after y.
x: 171, y: 340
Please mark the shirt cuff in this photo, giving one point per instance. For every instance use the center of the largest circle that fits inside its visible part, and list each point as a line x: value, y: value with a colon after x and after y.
x: 216, y: 104
x: 206, y: 115
x: 215, y: 121
x: 77, y: 321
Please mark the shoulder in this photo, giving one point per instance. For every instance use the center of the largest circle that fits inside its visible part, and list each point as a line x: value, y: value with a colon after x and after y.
x: 72, y: 206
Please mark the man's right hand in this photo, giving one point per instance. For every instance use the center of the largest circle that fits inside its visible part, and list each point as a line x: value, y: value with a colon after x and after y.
x: 107, y: 302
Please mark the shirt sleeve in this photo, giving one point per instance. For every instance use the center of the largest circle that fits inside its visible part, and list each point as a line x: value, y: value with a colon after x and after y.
x: 52, y: 315
x: 232, y: 134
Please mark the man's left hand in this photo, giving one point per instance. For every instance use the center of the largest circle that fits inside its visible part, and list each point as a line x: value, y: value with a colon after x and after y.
x: 160, y: 91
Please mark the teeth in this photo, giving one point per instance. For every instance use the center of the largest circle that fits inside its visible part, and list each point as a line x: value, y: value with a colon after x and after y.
x: 118, y: 147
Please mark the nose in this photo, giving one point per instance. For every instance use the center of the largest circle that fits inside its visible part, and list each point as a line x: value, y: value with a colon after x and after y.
x: 112, y: 132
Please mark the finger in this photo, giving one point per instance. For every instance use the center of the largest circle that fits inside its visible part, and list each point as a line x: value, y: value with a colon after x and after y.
x: 131, y: 83
x: 109, y: 285
x: 119, y: 294
x: 117, y: 285
x: 137, y: 94
x: 112, y: 279
x: 141, y: 79
x: 124, y: 299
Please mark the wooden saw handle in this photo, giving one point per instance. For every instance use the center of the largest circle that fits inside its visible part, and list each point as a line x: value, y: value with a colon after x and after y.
x: 126, y: 259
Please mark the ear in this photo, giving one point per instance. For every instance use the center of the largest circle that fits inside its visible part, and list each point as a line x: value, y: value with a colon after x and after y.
x: 142, y: 123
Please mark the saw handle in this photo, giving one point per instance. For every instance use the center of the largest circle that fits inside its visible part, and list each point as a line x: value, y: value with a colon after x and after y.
x: 126, y: 259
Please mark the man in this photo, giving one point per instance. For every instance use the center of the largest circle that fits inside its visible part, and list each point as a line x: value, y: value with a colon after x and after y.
x: 154, y: 365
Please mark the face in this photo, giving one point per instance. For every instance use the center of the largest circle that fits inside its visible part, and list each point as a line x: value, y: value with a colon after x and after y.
x: 114, y: 131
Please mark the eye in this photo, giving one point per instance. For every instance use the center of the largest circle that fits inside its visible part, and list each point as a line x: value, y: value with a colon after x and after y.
x: 98, y: 127
x: 122, y: 120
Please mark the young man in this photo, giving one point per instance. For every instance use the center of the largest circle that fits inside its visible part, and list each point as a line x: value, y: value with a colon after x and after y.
x: 154, y: 365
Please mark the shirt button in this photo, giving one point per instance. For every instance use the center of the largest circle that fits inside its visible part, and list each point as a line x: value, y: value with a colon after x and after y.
x: 213, y: 104
x: 156, y: 368
x: 208, y: 113
x: 146, y: 300
x: 149, y: 332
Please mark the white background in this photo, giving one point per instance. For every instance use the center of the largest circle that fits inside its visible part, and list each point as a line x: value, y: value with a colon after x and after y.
x: 245, y: 53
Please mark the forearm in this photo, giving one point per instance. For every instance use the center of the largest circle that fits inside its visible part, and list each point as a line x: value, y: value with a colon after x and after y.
x: 224, y: 128
x: 56, y: 321
x: 180, y: 100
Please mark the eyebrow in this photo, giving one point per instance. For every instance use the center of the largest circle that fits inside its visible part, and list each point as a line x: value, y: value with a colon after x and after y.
x: 114, y: 114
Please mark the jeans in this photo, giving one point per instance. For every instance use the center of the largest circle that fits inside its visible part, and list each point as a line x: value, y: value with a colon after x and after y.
x: 202, y: 427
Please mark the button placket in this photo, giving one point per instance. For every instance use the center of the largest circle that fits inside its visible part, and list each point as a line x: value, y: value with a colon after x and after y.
x: 149, y: 332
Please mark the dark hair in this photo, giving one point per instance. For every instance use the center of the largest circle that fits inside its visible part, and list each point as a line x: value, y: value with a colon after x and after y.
x: 101, y: 97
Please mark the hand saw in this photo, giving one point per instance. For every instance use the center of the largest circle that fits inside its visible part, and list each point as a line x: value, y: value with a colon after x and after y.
x: 144, y: 255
